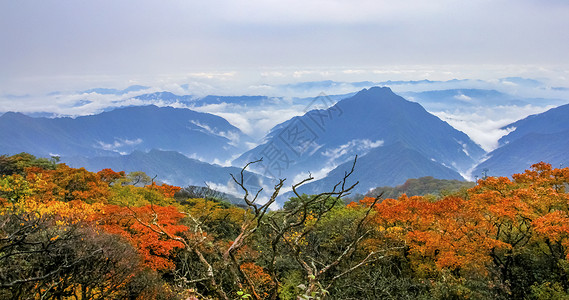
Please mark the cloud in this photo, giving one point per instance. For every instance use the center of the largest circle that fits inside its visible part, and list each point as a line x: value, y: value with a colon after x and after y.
x: 484, y: 124
x: 232, y: 136
x: 463, y: 97
x: 356, y: 146
x: 254, y: 121
x: 345, y: 152
x: 118, y: 143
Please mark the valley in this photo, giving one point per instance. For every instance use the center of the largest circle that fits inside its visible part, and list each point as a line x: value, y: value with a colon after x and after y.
x: 185, y: 140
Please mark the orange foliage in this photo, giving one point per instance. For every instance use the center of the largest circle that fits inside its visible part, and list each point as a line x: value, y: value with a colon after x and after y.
x: 109, y: 176
x: 261, y: 280
x: 446, y: 232
x: 67, y: 184
x: 145, y: 228
x: 167, y: 190
x: 500, y: 214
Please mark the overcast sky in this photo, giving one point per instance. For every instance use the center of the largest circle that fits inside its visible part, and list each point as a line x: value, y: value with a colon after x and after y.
x: 92, y: 43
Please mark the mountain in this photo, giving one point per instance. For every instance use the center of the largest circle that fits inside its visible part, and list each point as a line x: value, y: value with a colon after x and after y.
x: 440, y: 99
x: 122, y: 131
x: 555, y: 120
x: 541, y: 137
x: 389, y: 166
x: 324, y: 85
x: 373, y: 122
x: 170, y: 167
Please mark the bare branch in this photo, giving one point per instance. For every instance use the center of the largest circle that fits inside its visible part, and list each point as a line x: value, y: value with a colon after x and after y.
x: 241, y: 183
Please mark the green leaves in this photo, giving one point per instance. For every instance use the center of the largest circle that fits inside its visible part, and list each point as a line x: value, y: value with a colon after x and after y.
x: 243, y: 295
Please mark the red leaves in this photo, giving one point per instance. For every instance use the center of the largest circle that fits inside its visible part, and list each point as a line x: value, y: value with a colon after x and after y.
x: 167, y: 190
x: 555, y: 225
x: 109, y: 176
x: 146, y: 228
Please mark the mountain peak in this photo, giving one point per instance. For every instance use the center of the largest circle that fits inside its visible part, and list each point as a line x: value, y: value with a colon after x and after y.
x: 377, y: 91
x: 378, y: 98
x: 13, y: 116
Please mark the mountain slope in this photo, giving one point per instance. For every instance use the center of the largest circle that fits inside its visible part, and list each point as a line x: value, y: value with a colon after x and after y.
x: 541, y: 137
x: 520, y: 154
x: 552, y: 121
x: 373, y: 118
x: 168, y: 166
x: 384, y: 166
x: 124, y: 130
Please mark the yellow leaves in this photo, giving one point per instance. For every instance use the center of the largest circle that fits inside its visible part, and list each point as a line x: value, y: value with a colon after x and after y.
x: 14, y: 188
x: 130, y: 195
x: 200, y: 208
x: 294, y: 237
x: 394, y: 229
x: 310, y: 220
x: 72, y: 212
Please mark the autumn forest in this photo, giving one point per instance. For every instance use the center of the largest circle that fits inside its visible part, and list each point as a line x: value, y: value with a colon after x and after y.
x: 67, y: 233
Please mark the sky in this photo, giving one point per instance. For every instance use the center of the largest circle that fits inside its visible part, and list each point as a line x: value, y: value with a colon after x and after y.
x: 58, y: 45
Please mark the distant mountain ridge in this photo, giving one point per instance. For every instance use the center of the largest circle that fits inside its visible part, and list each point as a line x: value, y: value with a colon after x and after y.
x: 440, y: 100
x: 122, y: 131
x: 170, y: 167
x: 395, y: 139
x: 109, y: 91
x: 540, y: 137
x: 555, y: 120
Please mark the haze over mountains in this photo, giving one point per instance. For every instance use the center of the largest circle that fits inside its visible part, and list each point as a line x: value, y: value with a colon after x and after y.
x: 376, y: 124
x: 396, y: 139
x: 174, y: 168
x: 122, y: 131
x: 541, y: 137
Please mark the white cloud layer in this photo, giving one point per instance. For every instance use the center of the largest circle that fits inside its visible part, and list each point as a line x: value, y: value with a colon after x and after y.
x: 484, y: 124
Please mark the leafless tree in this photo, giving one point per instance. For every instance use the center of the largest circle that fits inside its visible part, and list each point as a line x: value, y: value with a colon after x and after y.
x: 279, y: 223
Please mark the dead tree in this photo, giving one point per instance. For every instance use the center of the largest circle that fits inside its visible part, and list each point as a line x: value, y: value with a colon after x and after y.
x: 279, y: 223
x: 293, y: 218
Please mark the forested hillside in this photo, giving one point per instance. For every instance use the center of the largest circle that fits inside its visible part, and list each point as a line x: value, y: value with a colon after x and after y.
x: 67, y: 233
x: 423, y: 186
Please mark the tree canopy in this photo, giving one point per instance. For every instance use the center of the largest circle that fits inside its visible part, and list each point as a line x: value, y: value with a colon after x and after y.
x: 67, y: 233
